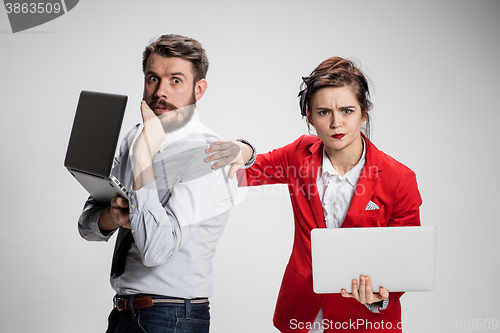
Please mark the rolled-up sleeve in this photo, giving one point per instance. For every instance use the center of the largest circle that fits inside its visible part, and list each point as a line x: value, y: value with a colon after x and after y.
x: 88, y: 226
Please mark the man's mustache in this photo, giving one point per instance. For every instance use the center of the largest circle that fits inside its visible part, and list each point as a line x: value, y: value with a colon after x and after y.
x: 162, y: 102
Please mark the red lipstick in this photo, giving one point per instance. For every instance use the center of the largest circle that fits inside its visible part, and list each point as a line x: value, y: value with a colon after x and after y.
x: 338, y: 136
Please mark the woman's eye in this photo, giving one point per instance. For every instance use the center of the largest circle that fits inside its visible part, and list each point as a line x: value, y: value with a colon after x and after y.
x: 347, y: 111
x: 324, y: 113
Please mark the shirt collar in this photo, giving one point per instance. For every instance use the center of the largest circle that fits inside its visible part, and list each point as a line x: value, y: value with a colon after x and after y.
x: 352, y: 175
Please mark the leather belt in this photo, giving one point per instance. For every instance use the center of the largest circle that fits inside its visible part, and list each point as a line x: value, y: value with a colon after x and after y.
x: 143, y: 302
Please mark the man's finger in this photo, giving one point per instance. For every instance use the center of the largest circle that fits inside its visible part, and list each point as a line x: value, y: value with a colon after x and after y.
x: 119, y: 202
x: 126, y: 222
x: 122, y: 202
x: 146, y: 112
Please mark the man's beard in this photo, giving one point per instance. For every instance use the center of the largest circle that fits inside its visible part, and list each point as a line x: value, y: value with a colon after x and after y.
x: 178, y: 117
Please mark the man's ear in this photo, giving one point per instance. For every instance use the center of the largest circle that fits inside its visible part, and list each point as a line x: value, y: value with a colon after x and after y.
x: 200, y: 88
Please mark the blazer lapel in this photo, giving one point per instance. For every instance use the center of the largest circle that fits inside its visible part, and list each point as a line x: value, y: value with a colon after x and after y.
x: 312, y: 163
x: 366, y: 185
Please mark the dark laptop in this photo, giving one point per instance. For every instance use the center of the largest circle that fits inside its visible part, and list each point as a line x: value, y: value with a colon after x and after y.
x: 93, y: 141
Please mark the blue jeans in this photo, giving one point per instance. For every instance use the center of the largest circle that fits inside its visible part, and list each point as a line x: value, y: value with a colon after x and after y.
x: 164, y: 318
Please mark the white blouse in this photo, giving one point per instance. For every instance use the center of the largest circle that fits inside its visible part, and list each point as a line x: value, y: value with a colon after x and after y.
x: 335, y: 192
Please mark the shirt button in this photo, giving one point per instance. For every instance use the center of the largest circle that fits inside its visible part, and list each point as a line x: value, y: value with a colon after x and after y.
x: 132, y: 230
x: 132, y: 206
x: 132, y: 197
x: 117, y: 288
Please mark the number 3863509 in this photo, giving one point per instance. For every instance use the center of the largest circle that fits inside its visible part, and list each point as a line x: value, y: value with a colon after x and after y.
x: 32, y: 8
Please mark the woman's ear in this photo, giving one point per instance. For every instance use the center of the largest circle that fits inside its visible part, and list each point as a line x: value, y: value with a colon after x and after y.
x: 364, y: 116
x: 309, y: 117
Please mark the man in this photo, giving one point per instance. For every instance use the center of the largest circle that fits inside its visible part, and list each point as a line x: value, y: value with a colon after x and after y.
x: 177, y: 206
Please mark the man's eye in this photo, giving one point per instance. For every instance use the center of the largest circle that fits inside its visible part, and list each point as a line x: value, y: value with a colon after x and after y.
x: 176, y: 81
x: 153, y: 79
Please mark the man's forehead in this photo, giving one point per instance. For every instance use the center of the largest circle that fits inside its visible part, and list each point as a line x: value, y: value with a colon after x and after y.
x: 159, y: 64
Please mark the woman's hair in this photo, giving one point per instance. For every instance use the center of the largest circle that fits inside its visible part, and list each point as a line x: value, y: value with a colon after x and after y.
x: 337, y: 72
x: 182, y: 47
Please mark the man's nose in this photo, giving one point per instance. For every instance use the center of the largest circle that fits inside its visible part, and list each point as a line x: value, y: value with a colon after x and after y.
x: 162, y: 90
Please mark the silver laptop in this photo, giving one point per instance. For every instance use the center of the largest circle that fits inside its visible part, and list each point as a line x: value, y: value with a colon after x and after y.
x: 92, y: 144
x: 396, y: 258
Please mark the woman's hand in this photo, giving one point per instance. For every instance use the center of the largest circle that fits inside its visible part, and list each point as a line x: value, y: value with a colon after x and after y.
x: 364, y: 293
x: 229, y: 152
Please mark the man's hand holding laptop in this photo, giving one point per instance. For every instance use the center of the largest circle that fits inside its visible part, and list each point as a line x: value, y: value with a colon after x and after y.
x: 114, y: 216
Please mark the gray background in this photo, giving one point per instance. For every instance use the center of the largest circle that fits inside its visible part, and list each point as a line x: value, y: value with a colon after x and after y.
x: 434, y: 67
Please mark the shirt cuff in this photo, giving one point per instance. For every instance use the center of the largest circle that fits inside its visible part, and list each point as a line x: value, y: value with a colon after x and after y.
x: 254, y: 155
x: 144, y: 199
x: 142, y: 202
x: 377, y: 307
x: 94, y: 226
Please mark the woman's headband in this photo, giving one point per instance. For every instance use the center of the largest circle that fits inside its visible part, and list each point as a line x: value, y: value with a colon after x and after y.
x: 303, y: 95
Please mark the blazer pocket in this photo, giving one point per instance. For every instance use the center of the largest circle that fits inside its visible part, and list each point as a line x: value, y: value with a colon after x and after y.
x: 371, y: 218
x: 290, y: 293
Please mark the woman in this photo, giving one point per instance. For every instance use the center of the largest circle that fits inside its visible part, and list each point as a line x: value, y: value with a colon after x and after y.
x: 337, y: 179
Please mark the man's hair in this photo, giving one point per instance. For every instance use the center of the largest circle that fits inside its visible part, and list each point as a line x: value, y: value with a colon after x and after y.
x: 182, y: 47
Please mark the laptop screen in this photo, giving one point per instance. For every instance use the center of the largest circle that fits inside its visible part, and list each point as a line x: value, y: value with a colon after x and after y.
x: 95, y: 132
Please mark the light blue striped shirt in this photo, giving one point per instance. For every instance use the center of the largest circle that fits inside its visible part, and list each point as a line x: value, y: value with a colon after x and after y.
x: 176, y: 221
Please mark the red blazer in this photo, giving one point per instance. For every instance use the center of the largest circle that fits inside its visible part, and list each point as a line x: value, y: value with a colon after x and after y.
x: 389, y: 184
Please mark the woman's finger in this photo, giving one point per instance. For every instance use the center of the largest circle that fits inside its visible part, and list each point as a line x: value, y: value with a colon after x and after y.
x: 369, y: 296
x: 354, y: 288
x: 362, y: 289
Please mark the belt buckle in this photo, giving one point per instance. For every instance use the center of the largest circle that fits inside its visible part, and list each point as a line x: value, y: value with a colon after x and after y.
x: 115, y: 302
